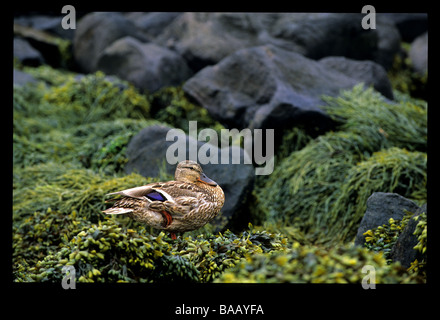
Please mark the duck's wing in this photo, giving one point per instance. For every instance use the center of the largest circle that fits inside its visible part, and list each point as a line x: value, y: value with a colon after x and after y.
x: 149, y: 192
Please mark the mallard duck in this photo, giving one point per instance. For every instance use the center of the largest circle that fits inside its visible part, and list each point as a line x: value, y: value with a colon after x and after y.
x: 186, y: 204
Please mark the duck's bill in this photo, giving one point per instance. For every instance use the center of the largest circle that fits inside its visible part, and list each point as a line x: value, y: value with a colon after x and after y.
x: 203, y: 178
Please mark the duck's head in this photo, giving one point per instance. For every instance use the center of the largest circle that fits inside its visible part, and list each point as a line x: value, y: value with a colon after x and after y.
x: 191, y: 172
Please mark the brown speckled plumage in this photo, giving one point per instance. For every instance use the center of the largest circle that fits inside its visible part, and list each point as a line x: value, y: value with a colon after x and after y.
x: 186, y: 204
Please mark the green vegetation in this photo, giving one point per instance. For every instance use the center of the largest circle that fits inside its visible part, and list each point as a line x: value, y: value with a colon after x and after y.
x: 314, y: 264
x: 69, y: 141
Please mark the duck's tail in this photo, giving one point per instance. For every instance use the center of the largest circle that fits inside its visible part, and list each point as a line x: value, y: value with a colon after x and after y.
x: 116, y: 210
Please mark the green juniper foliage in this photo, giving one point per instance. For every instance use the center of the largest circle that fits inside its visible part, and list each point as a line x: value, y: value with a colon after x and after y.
x: 69, y: 141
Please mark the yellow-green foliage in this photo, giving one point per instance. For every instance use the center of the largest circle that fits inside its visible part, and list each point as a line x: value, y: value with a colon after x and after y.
x: 95, y: 97
x: 314, y: 264
x: 419, y: 267
x: 421, y: 232
x: 108, y: 252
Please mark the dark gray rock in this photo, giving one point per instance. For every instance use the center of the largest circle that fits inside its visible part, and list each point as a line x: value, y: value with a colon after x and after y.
x: 368, y: 72
x: 51, y: 24
x: 206, y: 38
x: 419, y: 54
x: 95, y: 32
x: 152, y: 23
x: 267, y: 87
x: 381, y: 207
x: 403, y: 250
x: 146, y: 154
x: 147, y: 150
x: 45, y: 43
x: 148, y: 66
x: 27, y: 54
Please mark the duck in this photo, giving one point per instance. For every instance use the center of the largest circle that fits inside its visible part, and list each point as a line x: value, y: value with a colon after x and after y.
x: 184, y: 204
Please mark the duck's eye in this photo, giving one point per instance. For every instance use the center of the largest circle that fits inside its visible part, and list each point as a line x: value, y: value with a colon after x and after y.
x: 192, y: 168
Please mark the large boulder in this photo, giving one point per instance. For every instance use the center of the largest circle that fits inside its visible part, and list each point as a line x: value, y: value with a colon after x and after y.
x: 267, y: 87
x: 368, y: 72
x: 146, y: 154
x: 148, y: 66
x: 95, y: 32
x: 381, y: 207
